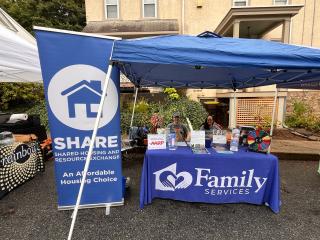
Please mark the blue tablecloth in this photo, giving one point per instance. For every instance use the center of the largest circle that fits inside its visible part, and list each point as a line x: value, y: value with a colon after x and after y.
x: 246, y: 177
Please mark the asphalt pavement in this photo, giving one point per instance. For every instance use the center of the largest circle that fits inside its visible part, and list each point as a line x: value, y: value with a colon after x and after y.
x: 30, y: 212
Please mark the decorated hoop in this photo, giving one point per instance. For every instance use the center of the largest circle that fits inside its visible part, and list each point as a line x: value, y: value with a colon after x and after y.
x: 259, y: 141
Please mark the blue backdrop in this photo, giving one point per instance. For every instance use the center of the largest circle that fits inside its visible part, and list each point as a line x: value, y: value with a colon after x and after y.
x: 74, y: 69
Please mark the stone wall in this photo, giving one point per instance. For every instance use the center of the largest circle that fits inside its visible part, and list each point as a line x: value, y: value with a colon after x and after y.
x: 312, y: 98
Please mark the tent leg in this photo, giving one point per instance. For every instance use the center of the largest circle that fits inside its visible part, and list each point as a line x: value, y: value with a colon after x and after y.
x: 234, y: 109
x: 273, y: 116
x: 93, y: 137
x: 134, y: 106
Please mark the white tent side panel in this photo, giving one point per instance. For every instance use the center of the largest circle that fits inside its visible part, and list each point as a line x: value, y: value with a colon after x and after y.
x: 19, y: 60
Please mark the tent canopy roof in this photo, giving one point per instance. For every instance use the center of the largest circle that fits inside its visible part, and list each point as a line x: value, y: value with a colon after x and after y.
x: 312, y: 85
x: 214, y: 62
x: 19, y: 61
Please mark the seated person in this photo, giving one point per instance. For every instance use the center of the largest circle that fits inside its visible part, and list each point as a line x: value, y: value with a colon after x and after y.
x: 209, y: 125
x: 178, y: 128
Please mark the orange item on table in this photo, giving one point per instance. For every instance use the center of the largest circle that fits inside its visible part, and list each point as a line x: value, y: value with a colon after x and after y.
x: 25, y: 137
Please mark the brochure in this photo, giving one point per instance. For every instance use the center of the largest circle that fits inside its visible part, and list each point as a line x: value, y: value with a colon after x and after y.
x: 200, y: 151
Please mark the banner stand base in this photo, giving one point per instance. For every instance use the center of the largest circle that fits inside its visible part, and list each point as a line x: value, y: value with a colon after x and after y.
x: 114, y: 204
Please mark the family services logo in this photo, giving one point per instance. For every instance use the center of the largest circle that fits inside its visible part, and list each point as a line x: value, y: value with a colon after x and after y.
x: 74, y: 95
x: 167, y: 179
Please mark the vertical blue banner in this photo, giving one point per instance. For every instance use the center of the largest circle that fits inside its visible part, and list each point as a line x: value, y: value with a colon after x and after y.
x: 74, y: 69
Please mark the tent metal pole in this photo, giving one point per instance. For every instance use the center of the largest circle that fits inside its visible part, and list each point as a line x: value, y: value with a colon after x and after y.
x: 134, y: 106
x: 234, y: 109
x: 182, y: 16
x: 273, y: 115
x: 92, y: 141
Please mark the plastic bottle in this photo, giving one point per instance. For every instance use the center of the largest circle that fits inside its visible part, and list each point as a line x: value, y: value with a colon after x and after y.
x: 235, y: 140
x: 172, y: 141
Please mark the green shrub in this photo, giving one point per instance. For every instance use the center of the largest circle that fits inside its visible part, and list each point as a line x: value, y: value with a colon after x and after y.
x: 39, y: 108
x: 315, y: 126
x: 303, y: 117
x: 186, y: 107
x: 15, y: 95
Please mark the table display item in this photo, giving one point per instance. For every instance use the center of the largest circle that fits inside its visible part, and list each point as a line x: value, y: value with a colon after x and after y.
x: 244, y: 130
x: 156, y: 141
x: 198, y: 139
x: 6, y: 138
x: 259, y: 141
x: 200, y: 150
x: 234, y: 144
x: 219, y: 138
x: 182, y: 144
x: 172, y: 141
x: 222, y: 149
x: 19, y: 162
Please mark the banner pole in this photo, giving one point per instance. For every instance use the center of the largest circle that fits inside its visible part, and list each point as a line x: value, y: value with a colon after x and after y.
x: 273, y: 116
x: 134, y: 106
x: 93, y: 137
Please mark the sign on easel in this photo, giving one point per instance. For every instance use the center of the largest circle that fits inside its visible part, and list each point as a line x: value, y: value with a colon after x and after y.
x: 219, y: 137
x: 74, y: 70
x: 156, y: 141
x: 198, y: 138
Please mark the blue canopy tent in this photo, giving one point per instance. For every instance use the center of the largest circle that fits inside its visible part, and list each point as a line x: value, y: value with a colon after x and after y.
x: 211, y: 61
x: 311, y: 84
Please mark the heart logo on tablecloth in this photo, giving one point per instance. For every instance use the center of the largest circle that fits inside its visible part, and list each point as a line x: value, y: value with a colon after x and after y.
x: 167, y: 179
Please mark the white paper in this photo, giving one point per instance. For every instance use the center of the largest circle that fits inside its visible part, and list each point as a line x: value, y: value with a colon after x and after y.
x: 198, y: 138
x: 181, y: 144
x: 156, y: 141
x: 219, y: 139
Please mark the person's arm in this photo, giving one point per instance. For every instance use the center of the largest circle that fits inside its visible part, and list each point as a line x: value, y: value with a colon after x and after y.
x: 185, y: 132
x: 216, y: 126
x: 202, y: 128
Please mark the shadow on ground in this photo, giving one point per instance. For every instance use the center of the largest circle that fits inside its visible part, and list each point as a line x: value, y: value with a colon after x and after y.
x: 30, y: 212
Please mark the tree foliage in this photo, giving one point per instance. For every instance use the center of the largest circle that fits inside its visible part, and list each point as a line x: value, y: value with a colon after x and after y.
x: 172, y: 93
x: 13, y: 95
x: 66, y: 14
x: 186, y: 107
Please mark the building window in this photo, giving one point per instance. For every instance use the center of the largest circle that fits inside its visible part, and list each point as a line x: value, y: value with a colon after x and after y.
x: 112, y: 9
x: 240, y: 3
x: 280, y: 2
x: 149, y: 8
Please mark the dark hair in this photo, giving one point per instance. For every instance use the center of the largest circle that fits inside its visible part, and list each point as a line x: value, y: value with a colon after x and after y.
x: 205, y: 124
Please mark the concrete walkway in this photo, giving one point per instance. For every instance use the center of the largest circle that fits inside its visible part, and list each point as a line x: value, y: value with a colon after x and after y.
x: 296, y: 150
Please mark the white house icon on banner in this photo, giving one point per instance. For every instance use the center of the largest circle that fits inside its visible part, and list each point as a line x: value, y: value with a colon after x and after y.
x: 87, y: 93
